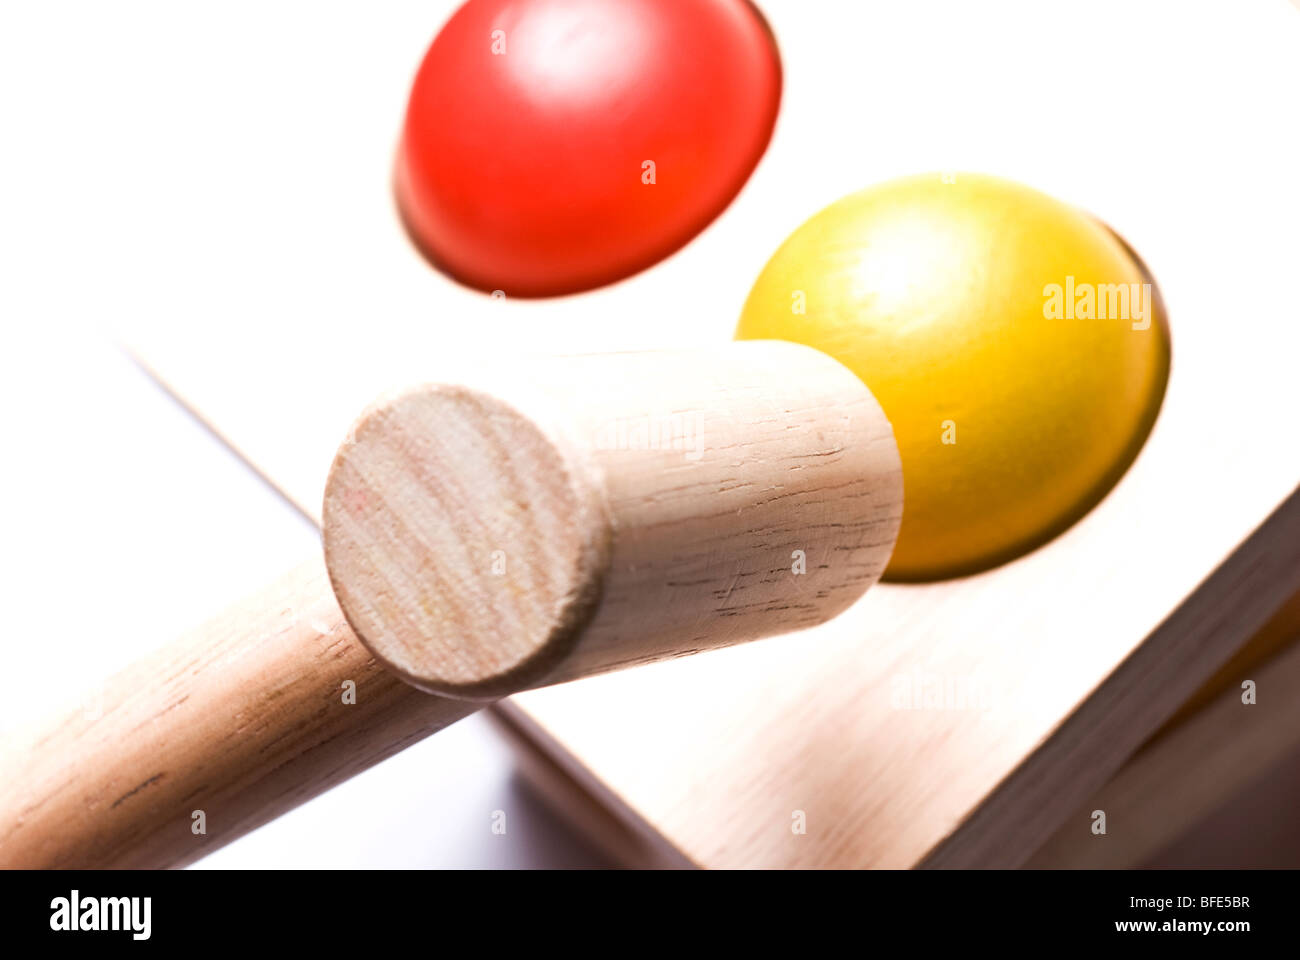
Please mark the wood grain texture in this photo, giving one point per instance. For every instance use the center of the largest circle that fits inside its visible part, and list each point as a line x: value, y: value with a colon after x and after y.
x: 1185, y: 776
x: 1279, y: 632
x: 358, y: 311
x: 465, y: 546
x: 1141, y: 694
x: 242, y: 720
x: 902, y: 747
x: 597, y: 512
x: 1199, y: 761
x: 614, y: 554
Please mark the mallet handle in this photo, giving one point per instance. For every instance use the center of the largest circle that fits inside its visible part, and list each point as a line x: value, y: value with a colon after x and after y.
x: 238, y: 721
x: 771, y: 503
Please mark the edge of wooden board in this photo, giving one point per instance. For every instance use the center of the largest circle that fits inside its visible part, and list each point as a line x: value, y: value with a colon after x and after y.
x: 1084, y: 752
x: 1143, y: 692
x: 581, y: 799
x: 1196, y: 763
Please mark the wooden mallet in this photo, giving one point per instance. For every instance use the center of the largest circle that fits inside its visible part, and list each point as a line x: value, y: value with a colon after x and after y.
x: 587, y: 514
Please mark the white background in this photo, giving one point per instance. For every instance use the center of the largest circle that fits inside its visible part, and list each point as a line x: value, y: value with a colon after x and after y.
x: 157, y: 172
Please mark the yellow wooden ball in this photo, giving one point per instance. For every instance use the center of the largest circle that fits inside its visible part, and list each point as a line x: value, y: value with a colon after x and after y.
x: 1016, y: 344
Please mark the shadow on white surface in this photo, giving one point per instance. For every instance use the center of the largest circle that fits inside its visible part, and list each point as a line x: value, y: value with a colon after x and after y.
x: 126, y: 523
x: 435, y: 805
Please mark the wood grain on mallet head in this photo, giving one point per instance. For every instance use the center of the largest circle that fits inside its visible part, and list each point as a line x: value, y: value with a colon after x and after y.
x: 595, y: 512
x: 451, y: 517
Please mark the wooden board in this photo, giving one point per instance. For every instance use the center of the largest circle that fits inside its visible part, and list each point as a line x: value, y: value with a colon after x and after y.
x: 1215, y: 748
x: 248, y: 251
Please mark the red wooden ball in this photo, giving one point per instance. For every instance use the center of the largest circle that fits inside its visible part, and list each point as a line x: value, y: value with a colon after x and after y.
x: 552, y: 146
